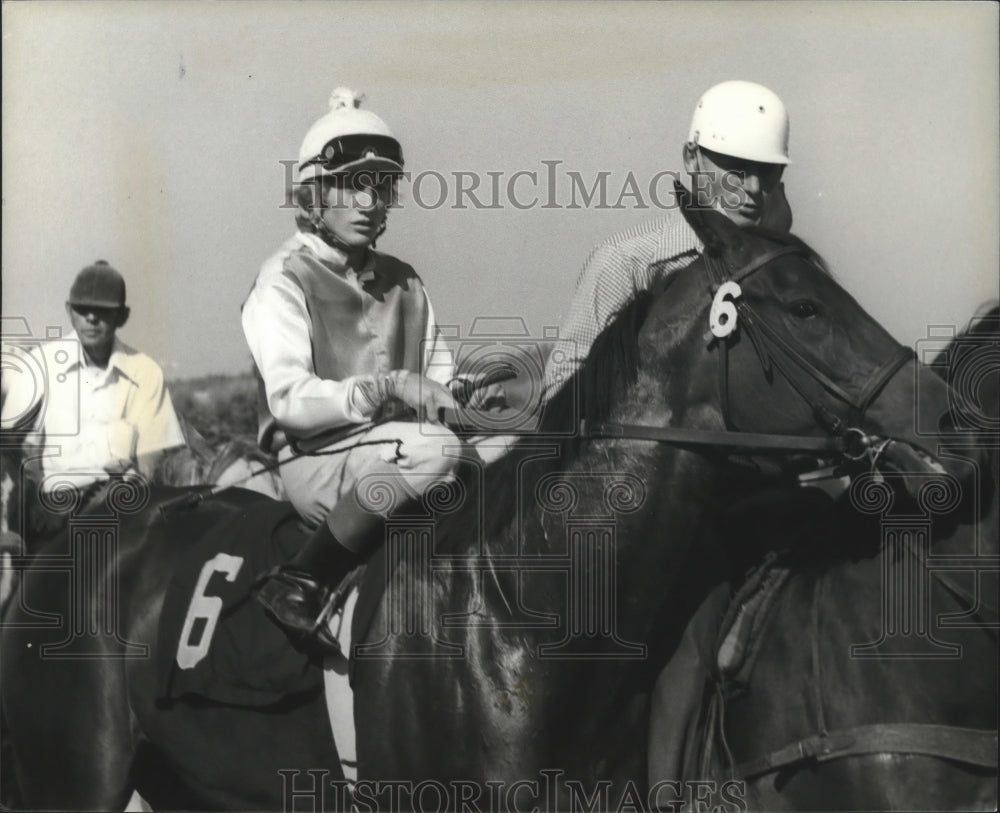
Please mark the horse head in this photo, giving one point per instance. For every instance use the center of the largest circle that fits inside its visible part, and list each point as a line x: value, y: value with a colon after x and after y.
x: 777, y: 346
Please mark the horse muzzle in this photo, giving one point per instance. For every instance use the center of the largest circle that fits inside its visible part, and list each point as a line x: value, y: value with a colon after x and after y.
x: 915, y: 445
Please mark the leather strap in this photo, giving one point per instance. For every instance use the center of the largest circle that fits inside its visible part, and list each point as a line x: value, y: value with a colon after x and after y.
x: 759, y: 262
x: 750, y: 442
x: 970, y: 746
x: 877, y: 380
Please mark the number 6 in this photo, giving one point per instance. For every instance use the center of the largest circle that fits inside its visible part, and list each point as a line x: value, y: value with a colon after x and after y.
x: 722, y: 317
x: 207, y: 607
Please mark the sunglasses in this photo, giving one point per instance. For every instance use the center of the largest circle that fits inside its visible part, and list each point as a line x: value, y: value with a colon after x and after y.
x: 100, y: 312
x: 344, y: 150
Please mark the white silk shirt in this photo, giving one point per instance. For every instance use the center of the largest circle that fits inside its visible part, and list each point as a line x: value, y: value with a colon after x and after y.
x: 278, y: 327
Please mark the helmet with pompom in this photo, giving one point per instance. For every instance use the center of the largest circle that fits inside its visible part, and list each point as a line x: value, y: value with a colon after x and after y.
x: 348, y: 139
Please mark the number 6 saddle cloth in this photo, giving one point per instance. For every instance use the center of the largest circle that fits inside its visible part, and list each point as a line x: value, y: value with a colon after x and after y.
x: 214, y: 640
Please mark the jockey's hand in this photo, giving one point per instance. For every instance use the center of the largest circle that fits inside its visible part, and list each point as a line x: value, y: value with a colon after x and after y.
x: 125, y: 470
x: 483, y: 391
x: 119, y: 465
x: 424, y: 396
x: 492, y: 398
x: 468, y: 392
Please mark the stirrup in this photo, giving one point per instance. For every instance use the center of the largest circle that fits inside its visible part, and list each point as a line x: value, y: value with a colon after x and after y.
x: 286, y: 595
x: 321, y: 627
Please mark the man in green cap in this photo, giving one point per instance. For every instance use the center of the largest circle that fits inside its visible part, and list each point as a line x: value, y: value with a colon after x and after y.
x: 100, y: 407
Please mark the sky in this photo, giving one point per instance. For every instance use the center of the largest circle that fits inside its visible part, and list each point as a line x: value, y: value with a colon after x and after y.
x: 158, y: 136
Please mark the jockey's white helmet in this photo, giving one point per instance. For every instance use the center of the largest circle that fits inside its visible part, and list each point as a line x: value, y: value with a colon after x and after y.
x: 742, y: 120
x: 348, y: 139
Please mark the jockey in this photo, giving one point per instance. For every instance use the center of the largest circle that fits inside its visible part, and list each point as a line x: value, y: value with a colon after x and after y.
x: 735, y: 154
x: 342, y: 335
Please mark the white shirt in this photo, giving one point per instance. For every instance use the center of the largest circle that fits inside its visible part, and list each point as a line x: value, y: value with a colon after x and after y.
x: 277, y: 327
x: 84, y: 419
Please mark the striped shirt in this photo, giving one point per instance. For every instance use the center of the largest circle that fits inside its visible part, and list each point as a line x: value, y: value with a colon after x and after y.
x: 618, y: 269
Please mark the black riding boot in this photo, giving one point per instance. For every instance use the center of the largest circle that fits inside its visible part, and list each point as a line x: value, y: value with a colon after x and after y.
x: 299, y: 595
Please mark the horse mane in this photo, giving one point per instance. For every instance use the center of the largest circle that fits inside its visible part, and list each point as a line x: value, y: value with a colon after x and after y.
x: 236, y: 448
x: 985, y: 321
x: 611, y: 365
x: 199, y: 462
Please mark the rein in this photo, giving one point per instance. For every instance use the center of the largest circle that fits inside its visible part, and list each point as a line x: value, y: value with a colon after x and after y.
x: 854, y: 444
x: 316, y: 446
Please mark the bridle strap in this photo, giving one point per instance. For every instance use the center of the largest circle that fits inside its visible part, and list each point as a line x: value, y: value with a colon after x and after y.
x: 775, y: 351
x: 861, y: 402
x: 759, y: 262
x: 968, y: 746
x: 745, y: 442
x: 774, y: 340
x: 876, y: 383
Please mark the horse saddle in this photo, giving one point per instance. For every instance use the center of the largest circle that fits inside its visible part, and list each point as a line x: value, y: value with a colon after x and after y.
x: 742, y: 629
x: 737, y: 645
x: 215, y: 641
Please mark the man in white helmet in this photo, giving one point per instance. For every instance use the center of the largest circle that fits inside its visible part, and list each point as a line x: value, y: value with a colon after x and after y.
x: 341, y: 335
x: 735, y: 154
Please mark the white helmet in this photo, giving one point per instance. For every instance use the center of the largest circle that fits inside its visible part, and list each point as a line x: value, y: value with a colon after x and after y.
x: 744, y: 120
x: 348, y: 139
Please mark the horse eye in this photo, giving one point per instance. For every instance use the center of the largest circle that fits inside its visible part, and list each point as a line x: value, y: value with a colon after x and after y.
x: 804, y: 309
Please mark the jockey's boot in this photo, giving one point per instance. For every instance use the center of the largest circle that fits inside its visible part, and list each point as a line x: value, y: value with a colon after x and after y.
x: 301, y: 595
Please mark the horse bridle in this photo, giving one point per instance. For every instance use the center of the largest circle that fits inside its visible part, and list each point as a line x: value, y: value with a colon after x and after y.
x: 844, y: 439
x: 766, y: 340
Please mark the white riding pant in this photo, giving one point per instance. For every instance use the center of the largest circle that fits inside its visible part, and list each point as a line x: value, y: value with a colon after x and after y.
x: 423, y: 454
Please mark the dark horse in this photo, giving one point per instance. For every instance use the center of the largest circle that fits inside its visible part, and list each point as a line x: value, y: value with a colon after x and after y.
x: 504, y: 666
x: 871, y: 681
x: 868, y: 681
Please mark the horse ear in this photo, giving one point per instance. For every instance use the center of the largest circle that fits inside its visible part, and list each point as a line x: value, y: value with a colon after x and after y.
x: 713, y: 228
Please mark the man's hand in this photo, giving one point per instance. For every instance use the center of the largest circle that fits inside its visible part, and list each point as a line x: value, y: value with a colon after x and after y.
x: 492, y: 398
x: 118, y: 466
x: 423, y: 396
x: 125, y: 471
x: 483, y: 391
